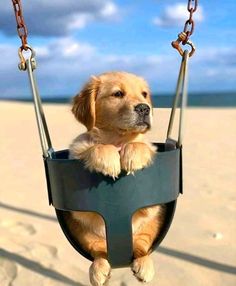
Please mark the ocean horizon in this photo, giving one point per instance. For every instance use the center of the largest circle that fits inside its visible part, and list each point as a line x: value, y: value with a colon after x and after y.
x: 207, y: 99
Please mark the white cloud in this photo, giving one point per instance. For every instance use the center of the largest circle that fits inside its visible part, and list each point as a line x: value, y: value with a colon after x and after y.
x: 110, y: 10
x: 79, y: 21
x: 42, y: 51
x: 217, y: 56
x: 65, y: 64
x: 67, y: 47
x: 57, y: 17
x: 176, y: 15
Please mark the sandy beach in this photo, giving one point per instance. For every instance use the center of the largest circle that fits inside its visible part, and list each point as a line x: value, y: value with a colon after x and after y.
x: 200, y: 248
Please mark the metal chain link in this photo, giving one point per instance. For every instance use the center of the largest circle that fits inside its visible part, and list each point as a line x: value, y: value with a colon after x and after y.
x: 188, y: 30
x: 189, y: 24
x: 21, y: 27
x: 23, y: 33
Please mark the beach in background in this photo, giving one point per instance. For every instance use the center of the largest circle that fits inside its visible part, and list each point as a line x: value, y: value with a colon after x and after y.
x: 200, y: 246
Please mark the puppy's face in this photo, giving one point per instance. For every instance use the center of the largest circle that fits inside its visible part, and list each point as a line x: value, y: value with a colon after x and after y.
x: 115, y: 101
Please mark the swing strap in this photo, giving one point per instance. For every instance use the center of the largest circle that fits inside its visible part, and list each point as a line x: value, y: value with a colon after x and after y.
x: 181, y: 89
x: 44, y: 135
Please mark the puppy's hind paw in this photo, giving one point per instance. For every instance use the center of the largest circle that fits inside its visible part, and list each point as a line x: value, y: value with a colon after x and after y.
x: 143, y: 268
x: 99, y: 272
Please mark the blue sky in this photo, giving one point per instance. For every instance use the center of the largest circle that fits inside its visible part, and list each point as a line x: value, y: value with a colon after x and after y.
x: 75, y: 39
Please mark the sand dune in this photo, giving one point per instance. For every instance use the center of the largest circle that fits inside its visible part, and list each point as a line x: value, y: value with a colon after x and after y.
x: 200, y: 247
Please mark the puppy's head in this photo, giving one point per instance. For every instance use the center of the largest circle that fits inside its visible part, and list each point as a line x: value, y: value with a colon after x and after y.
x: 115, y: 101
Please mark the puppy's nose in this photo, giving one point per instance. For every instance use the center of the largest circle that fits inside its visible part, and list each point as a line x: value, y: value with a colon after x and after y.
x: 142, y: 109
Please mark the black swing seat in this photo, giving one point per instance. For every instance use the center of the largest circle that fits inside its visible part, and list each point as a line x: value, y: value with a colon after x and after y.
x: 73, y: 188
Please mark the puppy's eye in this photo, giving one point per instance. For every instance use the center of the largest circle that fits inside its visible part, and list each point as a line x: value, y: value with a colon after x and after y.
x: 144, y: 94
x: 118, y: 93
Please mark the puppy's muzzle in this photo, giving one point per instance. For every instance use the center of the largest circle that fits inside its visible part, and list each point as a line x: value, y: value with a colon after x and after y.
x: 142, y: 109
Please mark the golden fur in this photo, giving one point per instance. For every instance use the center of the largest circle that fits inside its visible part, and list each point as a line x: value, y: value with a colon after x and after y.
x: 110, y: 107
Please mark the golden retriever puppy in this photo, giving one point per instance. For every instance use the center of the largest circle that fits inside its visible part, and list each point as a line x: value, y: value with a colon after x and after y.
x: 116, y: 108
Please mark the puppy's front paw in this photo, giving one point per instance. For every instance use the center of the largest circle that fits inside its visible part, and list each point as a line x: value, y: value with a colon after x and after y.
x: 135, y: 156
x: 99, y: 272
x: 143, y: 268
x: 103, y: 159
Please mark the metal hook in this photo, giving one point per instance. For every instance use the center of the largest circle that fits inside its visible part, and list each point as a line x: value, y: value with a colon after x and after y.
x: 22, y: 64
x: 181, y: 39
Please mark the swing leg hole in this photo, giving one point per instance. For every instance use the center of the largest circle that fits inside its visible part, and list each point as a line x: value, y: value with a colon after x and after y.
x: 142, y: 265
x: 93, y: 245
x: 147, y: 224
x: 87, y: 243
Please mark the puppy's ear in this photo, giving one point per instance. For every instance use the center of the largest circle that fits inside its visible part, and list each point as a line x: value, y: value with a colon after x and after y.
x: 83, y: 104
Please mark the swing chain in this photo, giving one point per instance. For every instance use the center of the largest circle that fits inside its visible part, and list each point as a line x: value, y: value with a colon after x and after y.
x: 189, y: 25
x: 21, y: 27
x: 23, y: 33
